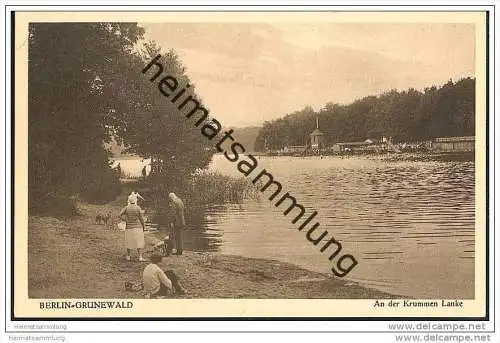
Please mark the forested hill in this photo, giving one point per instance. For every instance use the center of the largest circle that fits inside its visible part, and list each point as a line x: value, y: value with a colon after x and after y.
x: 408, y: 115
x: 247, y: 136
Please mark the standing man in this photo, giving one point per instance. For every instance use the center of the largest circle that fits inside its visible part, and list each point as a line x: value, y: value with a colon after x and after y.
x: 119, y: 170
x: 177, y: 225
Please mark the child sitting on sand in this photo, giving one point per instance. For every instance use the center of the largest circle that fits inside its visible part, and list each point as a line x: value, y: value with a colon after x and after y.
x: 155, y: 281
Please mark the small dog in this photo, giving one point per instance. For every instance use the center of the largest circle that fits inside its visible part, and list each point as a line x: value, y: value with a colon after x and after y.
x: 103, y: 218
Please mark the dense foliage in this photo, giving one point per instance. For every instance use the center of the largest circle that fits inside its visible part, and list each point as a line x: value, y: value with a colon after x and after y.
x: 85, y: 87
x: 405, y: 116
x: 153, y: 127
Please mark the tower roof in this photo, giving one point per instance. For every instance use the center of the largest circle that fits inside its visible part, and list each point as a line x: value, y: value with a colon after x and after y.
x: 316, y: 132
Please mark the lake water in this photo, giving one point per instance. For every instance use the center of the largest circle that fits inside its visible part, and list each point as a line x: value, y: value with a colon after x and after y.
x: 410, y: 225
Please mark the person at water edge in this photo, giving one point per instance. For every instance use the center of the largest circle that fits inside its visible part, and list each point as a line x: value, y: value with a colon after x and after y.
x: 157, y: 282
x: 134, y: 197
x: 144, y: 173
x: 177, y: 225
x: 134, y: 230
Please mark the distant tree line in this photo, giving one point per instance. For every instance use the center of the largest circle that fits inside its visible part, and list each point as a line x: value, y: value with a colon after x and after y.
x: 405, y: 116
x: 85, y: 87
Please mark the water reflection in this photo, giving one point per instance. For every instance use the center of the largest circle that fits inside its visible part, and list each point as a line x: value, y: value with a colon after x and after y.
x: 201, y: 233
x: 410, y: 225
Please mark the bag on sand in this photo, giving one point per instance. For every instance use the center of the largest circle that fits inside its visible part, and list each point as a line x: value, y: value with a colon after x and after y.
x: 133, y: 286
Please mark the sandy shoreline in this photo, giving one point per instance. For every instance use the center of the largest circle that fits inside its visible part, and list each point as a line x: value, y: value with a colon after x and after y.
x: 76, y: 258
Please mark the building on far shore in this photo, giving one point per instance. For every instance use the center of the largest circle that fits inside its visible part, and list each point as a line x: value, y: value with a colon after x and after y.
x: 295, y: 149
x: 464, y: 144
x: 454, y: 144
x: 317, y: 138
x: 369, y: 145
x: 351, y: 146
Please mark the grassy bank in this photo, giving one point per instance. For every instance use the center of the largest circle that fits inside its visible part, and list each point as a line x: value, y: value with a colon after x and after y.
x: 73, y: 257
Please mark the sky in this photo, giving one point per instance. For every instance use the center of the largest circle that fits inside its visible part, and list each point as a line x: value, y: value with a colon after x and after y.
x: 248, y: 73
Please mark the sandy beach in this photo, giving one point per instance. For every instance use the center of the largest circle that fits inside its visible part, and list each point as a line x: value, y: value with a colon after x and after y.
x: 73, y: 257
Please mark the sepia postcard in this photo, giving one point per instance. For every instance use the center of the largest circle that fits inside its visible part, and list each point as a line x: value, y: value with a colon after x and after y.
x: 237, y: 164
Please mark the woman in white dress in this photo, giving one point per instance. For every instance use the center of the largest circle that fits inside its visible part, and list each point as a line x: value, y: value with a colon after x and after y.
x: 134, y: 231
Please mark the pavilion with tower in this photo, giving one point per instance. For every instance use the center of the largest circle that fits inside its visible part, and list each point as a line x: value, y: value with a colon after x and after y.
x: 317, y: 138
